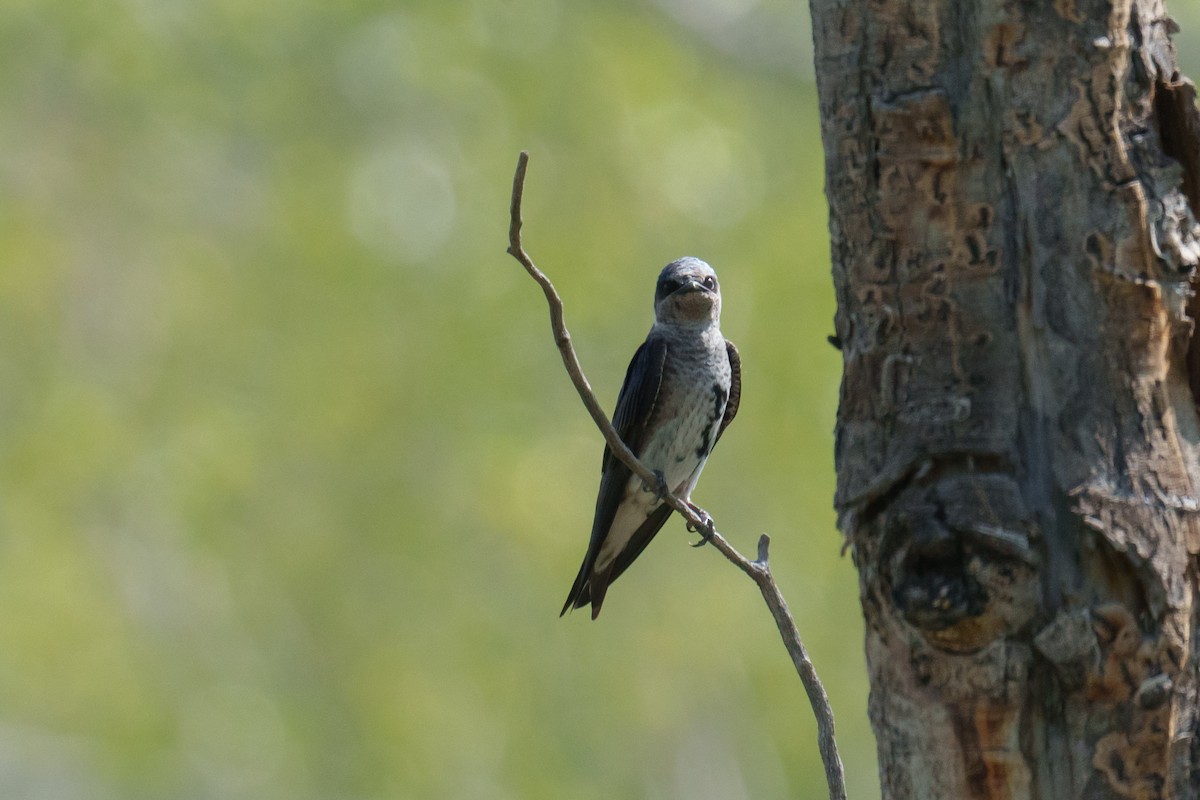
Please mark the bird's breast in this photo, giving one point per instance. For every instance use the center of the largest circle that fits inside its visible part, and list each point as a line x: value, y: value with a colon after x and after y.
x: 681, y: 442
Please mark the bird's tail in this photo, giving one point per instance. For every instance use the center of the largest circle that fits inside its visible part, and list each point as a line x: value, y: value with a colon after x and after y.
x: 589, y: 587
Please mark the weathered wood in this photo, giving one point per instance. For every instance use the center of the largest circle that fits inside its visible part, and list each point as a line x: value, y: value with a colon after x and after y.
x: 1013, y: 193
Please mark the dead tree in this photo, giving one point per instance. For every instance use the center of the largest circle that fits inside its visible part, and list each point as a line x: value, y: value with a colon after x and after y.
x: 1013, y: 191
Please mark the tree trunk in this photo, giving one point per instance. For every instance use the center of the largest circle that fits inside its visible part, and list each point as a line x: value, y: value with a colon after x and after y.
x: 1013, y: 191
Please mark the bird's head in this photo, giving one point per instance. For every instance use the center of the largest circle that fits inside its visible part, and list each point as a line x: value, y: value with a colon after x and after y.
x: 687, y: 293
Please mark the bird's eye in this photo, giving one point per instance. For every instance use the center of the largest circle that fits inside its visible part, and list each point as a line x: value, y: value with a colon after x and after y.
x: 710, y: 282
x: 667, y: 286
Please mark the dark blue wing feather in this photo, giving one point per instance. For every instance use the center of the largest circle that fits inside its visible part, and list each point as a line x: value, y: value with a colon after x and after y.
x: 636, y: 402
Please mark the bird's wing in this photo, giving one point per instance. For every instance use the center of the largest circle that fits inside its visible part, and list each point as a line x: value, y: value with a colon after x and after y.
x: 636, y: 405
x: 735, y: 388
x: 638, y: 397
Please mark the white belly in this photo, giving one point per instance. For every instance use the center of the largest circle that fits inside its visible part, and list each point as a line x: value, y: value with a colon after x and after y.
x: 674, y: 450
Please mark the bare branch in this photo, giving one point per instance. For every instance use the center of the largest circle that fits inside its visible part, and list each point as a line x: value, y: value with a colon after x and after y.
x: 758, y: 570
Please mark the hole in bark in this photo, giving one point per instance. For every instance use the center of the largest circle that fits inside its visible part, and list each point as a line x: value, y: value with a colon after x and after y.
x: 1179, y: 131
x: 1094, y: 246
x: 937, y: 594
x: 975, y: 246
x: 1114, y: 574
x: 1193, y: 352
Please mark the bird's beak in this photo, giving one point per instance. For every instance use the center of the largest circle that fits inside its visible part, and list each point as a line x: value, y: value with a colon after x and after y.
x: 691, y: 286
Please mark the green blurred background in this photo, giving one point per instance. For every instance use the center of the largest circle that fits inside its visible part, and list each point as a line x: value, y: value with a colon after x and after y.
x: 292, y: 482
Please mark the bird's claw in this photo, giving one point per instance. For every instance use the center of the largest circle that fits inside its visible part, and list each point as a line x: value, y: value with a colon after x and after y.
x: 707, y: 526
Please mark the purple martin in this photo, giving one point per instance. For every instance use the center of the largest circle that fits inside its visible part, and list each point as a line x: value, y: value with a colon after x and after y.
x: 680, y: 393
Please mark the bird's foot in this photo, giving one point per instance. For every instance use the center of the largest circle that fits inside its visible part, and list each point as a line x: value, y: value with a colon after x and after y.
x: 707, y: 526
x: 660, y: 486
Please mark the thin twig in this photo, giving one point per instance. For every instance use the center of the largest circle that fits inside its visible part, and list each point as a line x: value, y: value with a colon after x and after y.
x: 759, y: 570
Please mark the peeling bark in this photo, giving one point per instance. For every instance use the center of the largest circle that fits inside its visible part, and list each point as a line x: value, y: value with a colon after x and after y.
x: 1014, y: 191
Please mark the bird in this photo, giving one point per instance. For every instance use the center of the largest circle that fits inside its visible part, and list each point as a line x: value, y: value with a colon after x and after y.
x: 681, y: 391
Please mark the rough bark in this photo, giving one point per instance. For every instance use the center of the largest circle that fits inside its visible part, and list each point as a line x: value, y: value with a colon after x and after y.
x: 1013, y: 192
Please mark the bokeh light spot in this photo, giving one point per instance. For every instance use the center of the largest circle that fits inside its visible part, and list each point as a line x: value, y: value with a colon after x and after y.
x: 402, y: 203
